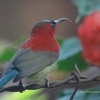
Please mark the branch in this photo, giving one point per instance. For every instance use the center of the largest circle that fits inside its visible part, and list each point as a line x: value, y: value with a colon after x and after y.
x: 74, y: 78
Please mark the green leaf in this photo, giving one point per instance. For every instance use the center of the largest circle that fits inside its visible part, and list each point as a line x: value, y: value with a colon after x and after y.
x: 68, y: 63
x: 60, y: 41
x: 7, y: 54
x: 85, y: 7
x: 7, y: 50
x: 3, y: 44
x: 70, y: 55
x: 69, y: 48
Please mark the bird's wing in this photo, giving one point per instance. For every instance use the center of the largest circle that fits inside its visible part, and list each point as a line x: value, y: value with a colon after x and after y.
x: 29, y: 62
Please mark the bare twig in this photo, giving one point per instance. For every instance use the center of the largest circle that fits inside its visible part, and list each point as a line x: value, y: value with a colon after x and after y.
x: 78, y: 83
x: 79, y: 73
x: 74, y: 78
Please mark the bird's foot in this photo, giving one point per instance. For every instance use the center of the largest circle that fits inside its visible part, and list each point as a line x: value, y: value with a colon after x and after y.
x: 22, y: 88
x: 47, y: 81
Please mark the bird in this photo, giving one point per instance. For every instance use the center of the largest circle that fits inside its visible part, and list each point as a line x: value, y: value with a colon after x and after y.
x: 35, y: 57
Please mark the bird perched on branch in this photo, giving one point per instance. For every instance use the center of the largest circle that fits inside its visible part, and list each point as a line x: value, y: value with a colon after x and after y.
x: 36, y: 55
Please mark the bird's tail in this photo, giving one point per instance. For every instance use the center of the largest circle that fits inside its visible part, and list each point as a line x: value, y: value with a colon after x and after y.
x: 6, y: 78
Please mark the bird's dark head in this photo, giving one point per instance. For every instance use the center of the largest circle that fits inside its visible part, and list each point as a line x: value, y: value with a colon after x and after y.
x: 47, y: 26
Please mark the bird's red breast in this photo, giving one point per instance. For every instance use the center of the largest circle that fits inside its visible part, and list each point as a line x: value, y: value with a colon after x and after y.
x: 42, y: 41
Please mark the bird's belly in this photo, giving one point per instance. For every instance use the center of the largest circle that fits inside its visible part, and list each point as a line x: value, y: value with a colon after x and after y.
x: 41, y: 74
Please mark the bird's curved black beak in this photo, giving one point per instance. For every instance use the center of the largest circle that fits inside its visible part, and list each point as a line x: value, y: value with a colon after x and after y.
x: 61, y: 19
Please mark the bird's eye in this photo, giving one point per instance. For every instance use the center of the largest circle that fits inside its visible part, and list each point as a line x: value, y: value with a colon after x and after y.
x: 53, y: 24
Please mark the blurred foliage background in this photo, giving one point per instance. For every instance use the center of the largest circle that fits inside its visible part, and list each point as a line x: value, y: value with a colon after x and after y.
x: 17, y: 17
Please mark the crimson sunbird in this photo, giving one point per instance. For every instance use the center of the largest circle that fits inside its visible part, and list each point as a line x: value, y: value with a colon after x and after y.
x: 35, y: 57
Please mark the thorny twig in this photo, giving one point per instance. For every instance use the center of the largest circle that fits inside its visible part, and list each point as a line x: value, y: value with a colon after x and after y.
x: 74, y: 78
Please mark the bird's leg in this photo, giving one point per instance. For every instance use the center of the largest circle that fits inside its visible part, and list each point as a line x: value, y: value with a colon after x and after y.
x: 47, y: 81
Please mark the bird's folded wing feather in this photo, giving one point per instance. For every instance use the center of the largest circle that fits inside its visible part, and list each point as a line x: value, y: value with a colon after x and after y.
x: 28, y: 62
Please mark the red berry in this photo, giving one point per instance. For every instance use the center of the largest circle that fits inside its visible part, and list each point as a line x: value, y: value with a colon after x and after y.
x: 89, y: 34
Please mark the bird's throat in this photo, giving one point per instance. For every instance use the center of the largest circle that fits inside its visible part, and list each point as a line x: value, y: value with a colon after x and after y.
x: 42, y: 43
